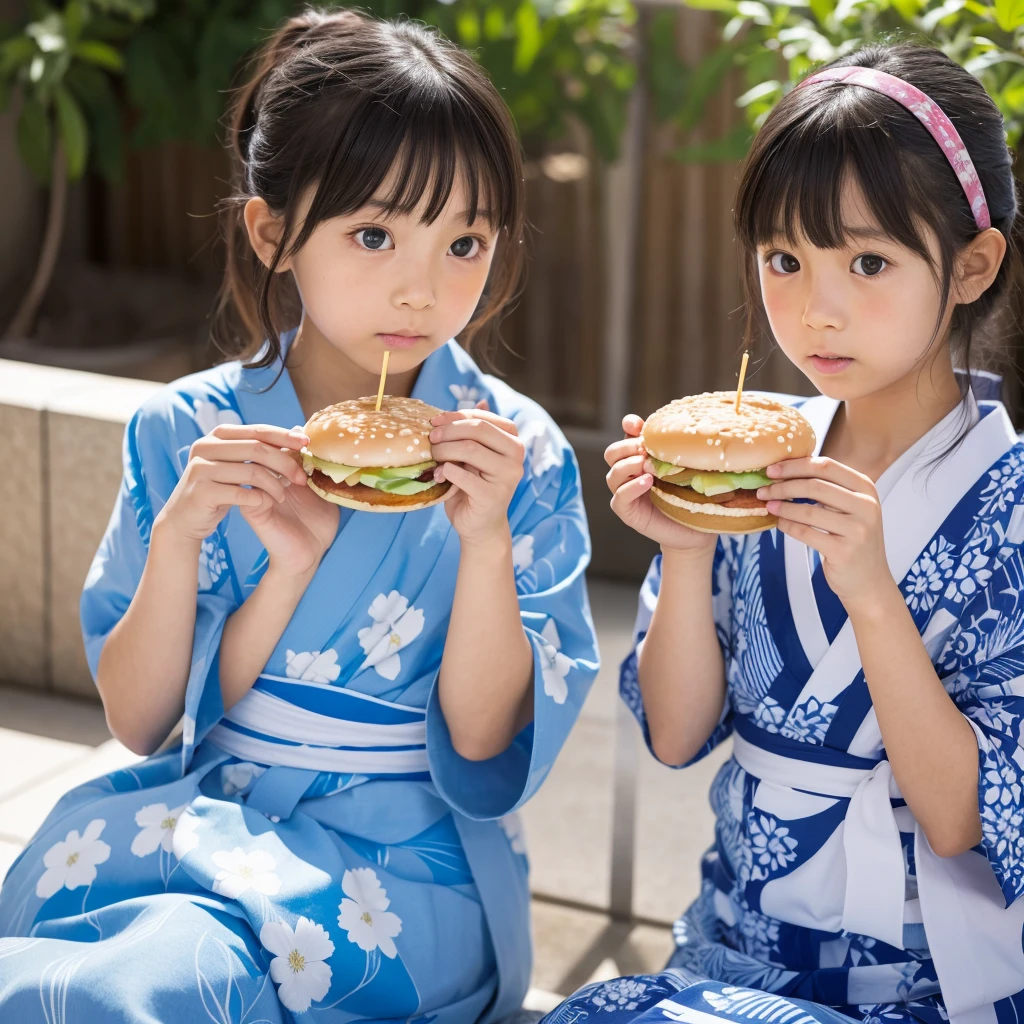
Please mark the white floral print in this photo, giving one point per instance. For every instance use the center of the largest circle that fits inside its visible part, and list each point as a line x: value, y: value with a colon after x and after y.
x: 209, y: 415
x: 542, y: 453
x: 241, y: 871
x: 312, y: 666
x: 185, y: 839
x: 395, y: 625
x: 465, y: 396
x: 298, y: 967
x: 772, y: 845
x: 928, y: 575
x: 213, y: 563
x: 72, y: 862
x: 237, y: 778
x: 157, y: 824
x: 364, y: 913
x: 522, y: 553
x: 620, y: 994
x: 769, y: 714
x: 512, y: 826
x: 555, y: 665
x: 809, y: 721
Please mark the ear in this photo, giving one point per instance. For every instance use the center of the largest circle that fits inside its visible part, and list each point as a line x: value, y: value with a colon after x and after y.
x: 978, y: 264
x: 264, y: 228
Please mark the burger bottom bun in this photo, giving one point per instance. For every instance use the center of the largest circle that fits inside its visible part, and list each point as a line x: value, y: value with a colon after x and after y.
x: 408, y: 503
x: 707, y: 522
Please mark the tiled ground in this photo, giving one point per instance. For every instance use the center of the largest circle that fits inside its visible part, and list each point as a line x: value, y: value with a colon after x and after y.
x: 49, y: 744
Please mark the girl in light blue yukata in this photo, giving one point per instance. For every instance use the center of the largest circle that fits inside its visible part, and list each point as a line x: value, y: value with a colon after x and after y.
x: 867, y: 656
x: 367, y: 698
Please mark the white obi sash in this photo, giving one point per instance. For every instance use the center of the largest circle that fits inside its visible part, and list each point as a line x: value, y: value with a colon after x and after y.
x: 325, y: 728
x: 974, y: 940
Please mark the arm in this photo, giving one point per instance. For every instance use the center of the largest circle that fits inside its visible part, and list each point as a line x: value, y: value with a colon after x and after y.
x: 486, y: 680
x: 143, y: 667
x: 931, y: 746
x: 145, y: 661
x: 681, y: 669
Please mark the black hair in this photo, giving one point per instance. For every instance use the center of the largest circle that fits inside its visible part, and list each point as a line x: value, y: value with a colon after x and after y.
x: 819, y: 137
x: 338, y: 101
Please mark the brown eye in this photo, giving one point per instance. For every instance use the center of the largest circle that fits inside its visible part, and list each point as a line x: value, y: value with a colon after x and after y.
x: 464, y: 247
x: 870, y: 264
x: 784, y: 263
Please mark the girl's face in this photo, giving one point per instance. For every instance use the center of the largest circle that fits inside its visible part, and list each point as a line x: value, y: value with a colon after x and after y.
x: 854, y: 320
x: 371, y: 283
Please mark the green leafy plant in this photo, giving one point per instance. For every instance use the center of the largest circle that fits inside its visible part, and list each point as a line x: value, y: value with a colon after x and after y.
x: 774, y: 44
x: 60, y: 65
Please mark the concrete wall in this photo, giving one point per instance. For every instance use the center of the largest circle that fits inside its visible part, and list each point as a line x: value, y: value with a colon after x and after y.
x: 59, y: 472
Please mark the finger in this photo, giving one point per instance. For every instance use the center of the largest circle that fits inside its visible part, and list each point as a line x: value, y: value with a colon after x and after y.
x: 629, y: 493
x: 632, y: 425
x: 475, y: 414
x: 820, y: 542
x: 622, y: 450
x: 474, y: 454
x: 247, y: 474
x: 823, y: 469
x: 222, y: 495
x: 277, y: 437
x: 284, y: 463
x: 458, y: 476
x: 483, y: 404
x: 623, y: 470
x: 820, y: 518
x: 822, y: 491
x: 482, y: 431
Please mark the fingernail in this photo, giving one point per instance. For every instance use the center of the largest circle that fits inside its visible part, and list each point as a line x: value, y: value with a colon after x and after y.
x: 437, y: 474
x: 436, y: 420
x: 762, y: 492
x: 435, y: 435
x: 773, y: 470
x: 774, y: 506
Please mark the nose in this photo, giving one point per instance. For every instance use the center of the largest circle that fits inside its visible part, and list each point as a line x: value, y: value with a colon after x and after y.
x: 823, y: 304
x: 414, y: 285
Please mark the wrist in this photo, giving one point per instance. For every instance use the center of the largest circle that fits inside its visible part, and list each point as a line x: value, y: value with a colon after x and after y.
x: 281, y: 578
x: 165, y: 536
x: 876, y: 607
x: 494, y: 544
x: 686, y: 559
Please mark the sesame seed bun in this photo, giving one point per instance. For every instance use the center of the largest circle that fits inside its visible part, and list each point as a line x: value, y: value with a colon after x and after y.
x: 355, y: 434
x: 705, y: 433
x: 352, y: 433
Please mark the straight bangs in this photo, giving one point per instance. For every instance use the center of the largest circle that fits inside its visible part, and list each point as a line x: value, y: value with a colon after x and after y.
x: 796, y: 186
x: 409, y: 156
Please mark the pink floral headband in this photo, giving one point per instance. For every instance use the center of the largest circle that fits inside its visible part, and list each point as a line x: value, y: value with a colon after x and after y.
x: 930, y: 114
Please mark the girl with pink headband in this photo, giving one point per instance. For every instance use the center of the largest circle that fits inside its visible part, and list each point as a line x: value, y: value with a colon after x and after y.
x: 866, y: 658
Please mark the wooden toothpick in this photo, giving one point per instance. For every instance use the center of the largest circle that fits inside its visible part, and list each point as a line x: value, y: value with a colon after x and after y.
x: 383, y: 377
x: 743, y: 373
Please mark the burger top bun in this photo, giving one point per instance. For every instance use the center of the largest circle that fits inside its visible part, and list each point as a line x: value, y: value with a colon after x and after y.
x: 704, y: 432
x: 353, y: 433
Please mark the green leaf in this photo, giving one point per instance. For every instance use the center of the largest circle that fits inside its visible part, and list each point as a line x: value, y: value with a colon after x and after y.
x: 100, y: 54
x: 494, y: 23
x: 528, y: 37
x: 74, y: 132
x: 35, y: 138
x: 74, y: 21
x: 729, y: 7
x: 1009, y: 14
x: 15, y: 53
x: 822, y: 10
x: 759, y: 92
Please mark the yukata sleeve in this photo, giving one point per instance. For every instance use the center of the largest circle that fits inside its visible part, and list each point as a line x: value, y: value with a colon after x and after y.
x: 629, y: 678
x: 155, y: 450
x: 985, y: 650
x: 551, y: 550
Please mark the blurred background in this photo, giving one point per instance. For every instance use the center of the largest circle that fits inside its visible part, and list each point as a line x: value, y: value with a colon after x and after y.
x: 634, y: 119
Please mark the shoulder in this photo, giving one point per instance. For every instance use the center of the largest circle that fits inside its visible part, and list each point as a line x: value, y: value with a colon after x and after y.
x: 191, y: 406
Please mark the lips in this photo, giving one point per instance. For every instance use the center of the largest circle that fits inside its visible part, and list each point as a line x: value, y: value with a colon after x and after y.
x: 401, y: 340
x: 830, y: 363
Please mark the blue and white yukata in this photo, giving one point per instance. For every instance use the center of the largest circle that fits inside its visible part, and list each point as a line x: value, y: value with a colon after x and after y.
x: 321, y: 851
x: 820, y: 890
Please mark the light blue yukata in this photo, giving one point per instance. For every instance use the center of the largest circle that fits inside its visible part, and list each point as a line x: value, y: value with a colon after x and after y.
x: 321, y: 852
x: 821, y: 890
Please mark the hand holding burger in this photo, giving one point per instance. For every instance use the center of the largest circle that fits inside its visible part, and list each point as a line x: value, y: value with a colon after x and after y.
x: 693, y: 469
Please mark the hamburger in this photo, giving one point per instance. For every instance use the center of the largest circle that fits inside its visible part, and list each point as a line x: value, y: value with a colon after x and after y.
x: 373, y: 461
x: 709, y: 460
